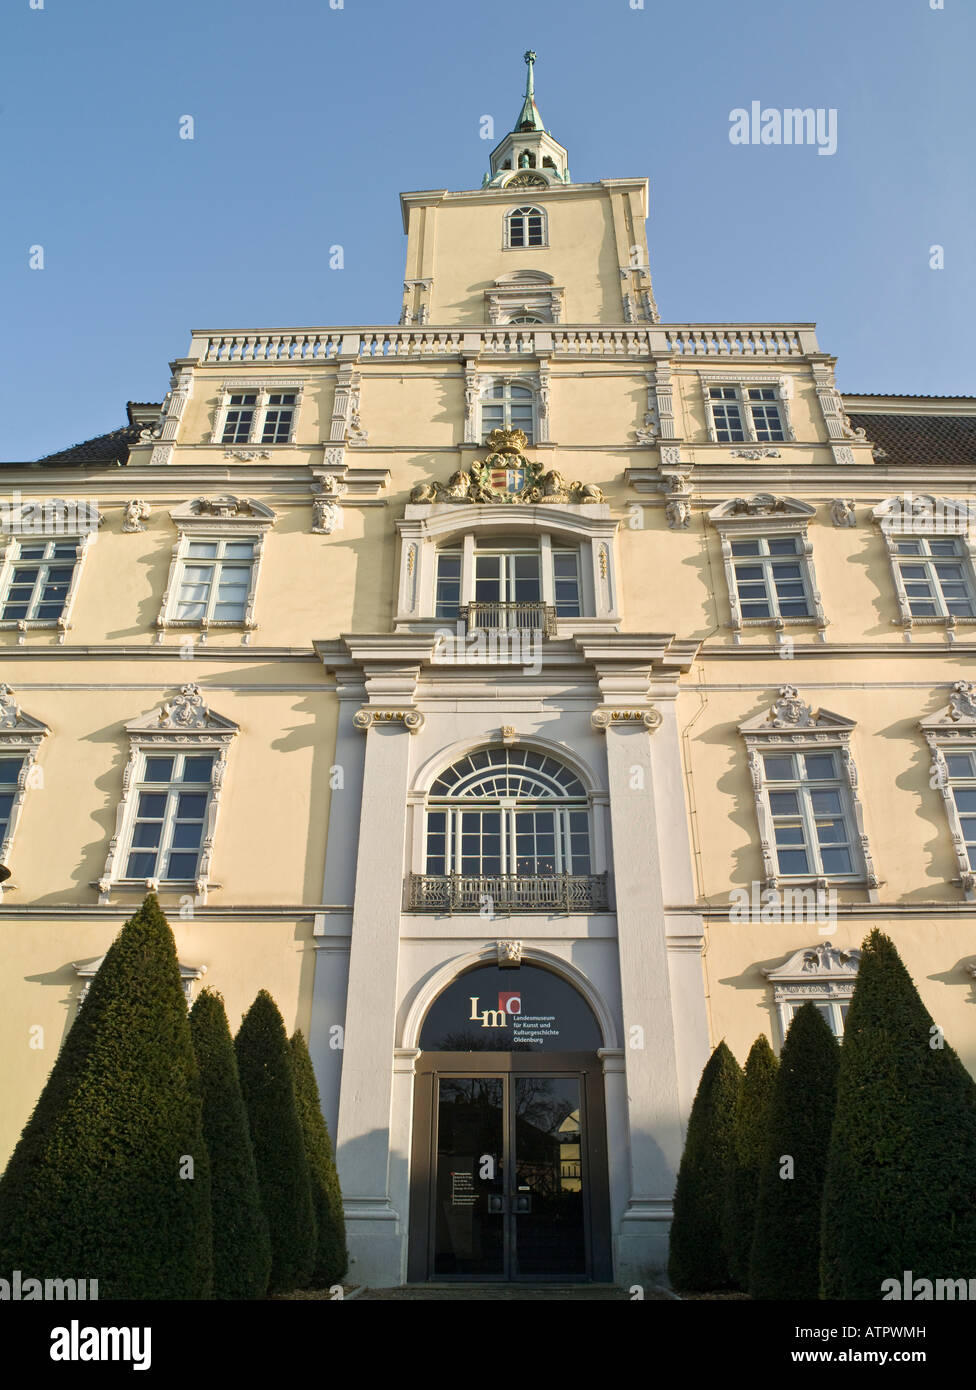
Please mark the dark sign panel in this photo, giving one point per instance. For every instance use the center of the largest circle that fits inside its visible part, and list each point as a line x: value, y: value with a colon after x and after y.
x: 491, y: 1009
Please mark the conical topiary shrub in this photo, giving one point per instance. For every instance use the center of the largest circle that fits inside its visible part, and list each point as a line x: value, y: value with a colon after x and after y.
x: 241, y: 1244
x: 750, y: 1141
x: 785, y: 1259
x: 331, y: 1258
x: 267, y: 1085
x: 111, y: 1177
x: 900, y: 1191
x: 698, y: 1259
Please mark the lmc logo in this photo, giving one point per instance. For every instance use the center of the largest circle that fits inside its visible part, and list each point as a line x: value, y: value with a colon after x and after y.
x: 509, y: 1002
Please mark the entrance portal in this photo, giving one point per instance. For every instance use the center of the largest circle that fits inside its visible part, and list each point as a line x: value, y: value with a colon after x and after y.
x: 509, y: 1176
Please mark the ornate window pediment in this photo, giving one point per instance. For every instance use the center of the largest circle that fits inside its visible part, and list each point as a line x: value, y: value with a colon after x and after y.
x: 822, y: 975
x: 86, y: 970
x: 525, y: 295
x: 213, y: 574
x: 768, y: 559
x: 951, y: 737
x: 171, y: 786
x: 805, y: 788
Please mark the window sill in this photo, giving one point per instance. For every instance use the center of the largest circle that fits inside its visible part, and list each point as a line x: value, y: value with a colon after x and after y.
x: 33, y: 624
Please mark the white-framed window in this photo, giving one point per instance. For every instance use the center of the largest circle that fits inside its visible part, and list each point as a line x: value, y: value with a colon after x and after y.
x: 951, y: 737
x: 257, y: 412
x: 214, y: 570
x: 771, y: 577
x: 834, y: 1012
x: 20, y: 741
x: 808, y: 801
x: 932, y: 552
x: 39, y: 573
x: 167, y: 816
x: 526, y: 226
x: 215, y: 580
x: 754, y: 409
x: 508, y: 404
x: 811, y: 821
x: 768, y: 560
x: 936, y: 574
x: 509, y: 583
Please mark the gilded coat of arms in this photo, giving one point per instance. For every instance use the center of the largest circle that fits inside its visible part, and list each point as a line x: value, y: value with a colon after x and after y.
x: 507, y: 476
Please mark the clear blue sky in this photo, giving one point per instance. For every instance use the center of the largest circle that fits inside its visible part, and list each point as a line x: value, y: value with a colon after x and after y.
x: 310, y: 120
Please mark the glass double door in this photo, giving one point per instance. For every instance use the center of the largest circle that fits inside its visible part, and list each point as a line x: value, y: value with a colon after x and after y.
x: 509, y: 1177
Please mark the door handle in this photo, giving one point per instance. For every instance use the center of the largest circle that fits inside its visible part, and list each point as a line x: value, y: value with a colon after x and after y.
x: 496, y: 1202
x: 523, y: 1203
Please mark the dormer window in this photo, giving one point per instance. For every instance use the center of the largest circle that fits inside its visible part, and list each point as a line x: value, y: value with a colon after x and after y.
x: 526, y: 226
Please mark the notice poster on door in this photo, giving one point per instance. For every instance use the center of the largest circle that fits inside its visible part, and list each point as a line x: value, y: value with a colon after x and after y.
x: 463, y: 1192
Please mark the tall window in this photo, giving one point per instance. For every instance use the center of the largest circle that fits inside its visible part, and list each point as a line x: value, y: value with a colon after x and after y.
x: 770, y: 577
x: 936, y: 576
x: 807, y: 800
x: 172, y: 799
x: 10, y: 769
x: 526, y: 226
x: 239, y: 420
x: 507, y: 811
x: 40, y: 580
x: 278, y: 417
x: 262, y: 413
x: 961, y: 767
x: 215, y: 581
x: 510, y: 406
x: 511, y: 579
x: 739, y: 412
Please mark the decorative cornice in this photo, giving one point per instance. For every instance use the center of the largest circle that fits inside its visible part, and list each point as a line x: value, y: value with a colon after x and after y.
x: 601, y: 719
x: 411, y: 719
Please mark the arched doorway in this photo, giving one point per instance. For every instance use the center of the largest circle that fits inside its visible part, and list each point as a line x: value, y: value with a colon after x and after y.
x: 509, y: 1163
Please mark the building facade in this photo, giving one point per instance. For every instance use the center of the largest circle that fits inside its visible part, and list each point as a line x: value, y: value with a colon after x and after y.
x: 528, y: 695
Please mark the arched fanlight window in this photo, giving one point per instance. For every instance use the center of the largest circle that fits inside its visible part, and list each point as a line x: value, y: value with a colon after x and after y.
x: 527, y: 226
x: 508, y: 811
x: 526, y: 318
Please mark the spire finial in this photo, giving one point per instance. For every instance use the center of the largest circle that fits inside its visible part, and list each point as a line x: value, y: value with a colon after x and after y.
x: 530, y: 80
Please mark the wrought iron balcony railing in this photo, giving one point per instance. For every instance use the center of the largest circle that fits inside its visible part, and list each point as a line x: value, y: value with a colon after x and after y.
x: 507, y: 893
x: 510, y: 617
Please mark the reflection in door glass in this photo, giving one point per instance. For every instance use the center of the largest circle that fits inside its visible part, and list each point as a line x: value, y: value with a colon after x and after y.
x: 469, y: 1235
x: 548, y: 1198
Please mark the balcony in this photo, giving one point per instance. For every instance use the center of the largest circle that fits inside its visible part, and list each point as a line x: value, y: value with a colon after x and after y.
x: 510, y: 617
x: 507, y: 893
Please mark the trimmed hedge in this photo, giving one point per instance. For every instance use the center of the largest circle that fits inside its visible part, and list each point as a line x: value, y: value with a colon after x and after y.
x: 267, y: 1085
x: 698, y: 1259
x: 94, y: 1188
x: 900, y: 1191
x: 749, y: 1142
x: 241, y: 1244
x: 785, y: 1259
x: 331, y: 1257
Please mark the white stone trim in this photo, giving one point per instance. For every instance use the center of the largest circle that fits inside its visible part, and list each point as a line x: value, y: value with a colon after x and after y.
x: 20, y: 736
x: 184, y: 724
x: 9, y: 555
x: 925, y: 516
x: 816, y: 974
x: 791, y: 726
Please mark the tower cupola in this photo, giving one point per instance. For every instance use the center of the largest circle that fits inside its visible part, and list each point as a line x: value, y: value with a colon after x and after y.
x: 528, y: 157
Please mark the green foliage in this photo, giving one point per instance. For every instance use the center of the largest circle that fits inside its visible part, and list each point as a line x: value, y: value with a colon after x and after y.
x: 698, y: 1257
x: 241, y: 1244
x: 785, y: 1259
x: 93, y: 1189
x: 900, y: 1191
x: 749, y: 1144
x: 265, y: 1069
x: 331, y: 1258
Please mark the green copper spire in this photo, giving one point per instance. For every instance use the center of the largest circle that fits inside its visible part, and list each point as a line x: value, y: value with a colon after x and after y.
x: 529, y: 118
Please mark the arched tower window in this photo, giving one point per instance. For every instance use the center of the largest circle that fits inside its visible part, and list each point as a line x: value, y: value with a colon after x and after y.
x: 526, y: 226
x: 507, y: 811
x: 508, y: 405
